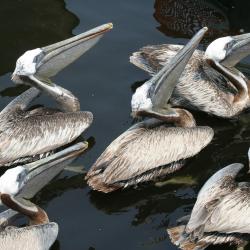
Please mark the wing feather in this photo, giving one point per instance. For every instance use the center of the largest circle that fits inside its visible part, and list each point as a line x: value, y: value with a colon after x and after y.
x: 210, y: 196
x: 232, y: 214
x: 22, y: 101
x: 142, y: 149
x: 31, y: 135
x: 151, y: 58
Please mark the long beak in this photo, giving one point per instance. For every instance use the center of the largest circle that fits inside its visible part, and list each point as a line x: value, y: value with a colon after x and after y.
x: 239, y: 50
x: 41, y: 172
x: 166, y: 79
x: 59, y: 55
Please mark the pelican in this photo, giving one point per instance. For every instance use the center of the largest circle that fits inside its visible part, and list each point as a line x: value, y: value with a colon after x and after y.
x: 22, y: 182
x: 157, y: 146
x: 210, y: 82
x: 29, y: 134
x: 40, y: 235
x: 220, y: 215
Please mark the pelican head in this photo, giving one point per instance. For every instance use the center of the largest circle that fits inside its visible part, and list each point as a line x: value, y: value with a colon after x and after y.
x: 229, y: 50
x: 35, y: 67
x: 153, y: 96
x: 13, y: 180
x: 33, y: 176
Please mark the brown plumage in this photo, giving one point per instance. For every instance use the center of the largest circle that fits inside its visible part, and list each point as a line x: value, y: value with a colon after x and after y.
x: 158, y: 146
x: 177, y: 238
x: 27, y: 133
x: 201, y: 86
x: 39, y: 235
x: 220, y: 214
x: 146, y: 152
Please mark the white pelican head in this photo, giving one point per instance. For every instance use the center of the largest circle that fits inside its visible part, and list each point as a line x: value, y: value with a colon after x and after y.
x: 229, y: 50
x: 13, y: 180
x: 43, y: 63
x: 35, y: 67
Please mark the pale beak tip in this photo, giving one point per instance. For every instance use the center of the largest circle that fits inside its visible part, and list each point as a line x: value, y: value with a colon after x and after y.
x: 86, y: 144
x: 110, y: 26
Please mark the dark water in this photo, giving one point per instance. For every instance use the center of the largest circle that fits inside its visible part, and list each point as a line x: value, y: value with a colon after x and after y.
x: 103, y: 80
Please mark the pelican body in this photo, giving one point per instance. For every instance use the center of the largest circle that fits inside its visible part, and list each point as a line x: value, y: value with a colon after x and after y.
x: 21, y: 183
x: 220, y: 215
x: 157, y: 146
x: 210, y: 81
x: 39, y: 236
x: 30, y: 134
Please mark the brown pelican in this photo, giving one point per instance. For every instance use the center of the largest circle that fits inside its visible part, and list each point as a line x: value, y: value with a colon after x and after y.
x: 29, y: 134
x: 210, y: 82
x: 220, y: 214
x: 39, y: 235
x: 153, y: 148
x: 22, y: 181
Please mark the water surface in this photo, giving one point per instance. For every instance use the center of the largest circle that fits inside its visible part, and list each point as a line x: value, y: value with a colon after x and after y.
x: 103, y: 80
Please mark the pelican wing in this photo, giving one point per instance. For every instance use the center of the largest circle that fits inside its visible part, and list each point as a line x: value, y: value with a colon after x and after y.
x: 142, y: 149
x: 221, y: 184
x: 29, y: 135
x: 232, y: 214
x: 22, y: 101
x: 34, y: 237
x: 151, y: 58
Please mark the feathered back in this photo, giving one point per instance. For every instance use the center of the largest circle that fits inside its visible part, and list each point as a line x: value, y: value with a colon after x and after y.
x: 218, y: 186
x: 151, y: 58
x: 29, y: 135
x: 141, y: 149
x: 38, y: 237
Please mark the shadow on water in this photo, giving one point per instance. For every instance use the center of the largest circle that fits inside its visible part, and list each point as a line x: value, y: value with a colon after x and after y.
x: 58, y: 186
x: 13, y: 91
x: 133, y: 218
x: 183, y: 18
x: 28, y: 24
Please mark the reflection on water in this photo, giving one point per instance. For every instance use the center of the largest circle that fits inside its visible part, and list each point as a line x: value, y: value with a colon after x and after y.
x: 28, y: 24
x: 183, y: 18
x: 58, y: 187
x: 103, y: 80
x: 152, y: 206
x: 13, y: 91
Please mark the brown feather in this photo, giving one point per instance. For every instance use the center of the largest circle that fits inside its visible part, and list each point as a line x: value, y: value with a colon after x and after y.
x: 140, y: 153
x: 176, y: 235
x: 200, y: 86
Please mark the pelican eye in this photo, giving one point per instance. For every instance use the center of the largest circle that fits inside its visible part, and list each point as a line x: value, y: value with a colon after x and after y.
x: 20, y: 176
x: 229, y: 45
x: 38, y: 58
